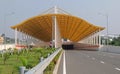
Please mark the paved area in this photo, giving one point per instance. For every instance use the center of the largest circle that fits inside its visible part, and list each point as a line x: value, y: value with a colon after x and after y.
x: 90, y: 62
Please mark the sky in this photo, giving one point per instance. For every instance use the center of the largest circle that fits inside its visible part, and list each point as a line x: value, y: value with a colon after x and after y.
x: 13, y: 12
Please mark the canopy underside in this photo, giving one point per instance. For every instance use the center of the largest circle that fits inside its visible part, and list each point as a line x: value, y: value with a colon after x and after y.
x: 71, y: 27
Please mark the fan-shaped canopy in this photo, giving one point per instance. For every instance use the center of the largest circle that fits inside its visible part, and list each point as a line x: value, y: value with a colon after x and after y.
x: 71, y: 27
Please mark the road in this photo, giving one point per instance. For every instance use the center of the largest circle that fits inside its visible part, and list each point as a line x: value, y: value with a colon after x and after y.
x: 89, y: 62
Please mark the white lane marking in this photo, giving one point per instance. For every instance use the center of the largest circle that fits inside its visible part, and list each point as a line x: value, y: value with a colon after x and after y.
x: 102, y: 62
x: 117, y: 69
x: 93, y: 58
x: 64, y: 63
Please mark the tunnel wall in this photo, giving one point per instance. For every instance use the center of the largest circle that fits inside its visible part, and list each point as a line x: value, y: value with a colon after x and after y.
x: 81, y: 46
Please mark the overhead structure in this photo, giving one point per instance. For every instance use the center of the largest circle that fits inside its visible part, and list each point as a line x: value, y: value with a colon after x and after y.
x: 71, y: 27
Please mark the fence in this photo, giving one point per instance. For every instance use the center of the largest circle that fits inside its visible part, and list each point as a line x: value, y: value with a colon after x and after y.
x: 42, y: 65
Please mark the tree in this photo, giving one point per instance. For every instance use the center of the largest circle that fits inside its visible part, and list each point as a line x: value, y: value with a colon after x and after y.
x: 115, y: 41
x: 5, y: 57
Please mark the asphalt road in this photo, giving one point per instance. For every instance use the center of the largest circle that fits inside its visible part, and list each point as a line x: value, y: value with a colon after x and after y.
x: 89, y: 62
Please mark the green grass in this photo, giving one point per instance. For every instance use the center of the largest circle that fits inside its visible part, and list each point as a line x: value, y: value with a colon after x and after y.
x: 14, y: 61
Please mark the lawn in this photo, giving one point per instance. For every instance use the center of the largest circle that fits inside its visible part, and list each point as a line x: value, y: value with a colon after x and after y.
x: 28, y: 58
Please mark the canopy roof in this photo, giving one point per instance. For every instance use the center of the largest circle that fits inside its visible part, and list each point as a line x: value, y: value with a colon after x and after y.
x: 71, y: 27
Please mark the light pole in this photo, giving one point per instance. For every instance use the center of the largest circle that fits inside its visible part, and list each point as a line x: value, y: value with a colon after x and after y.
x: 5, y: 15
x: 106, y: 15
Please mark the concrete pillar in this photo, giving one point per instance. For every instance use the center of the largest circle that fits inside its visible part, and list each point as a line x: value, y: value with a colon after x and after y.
x: 16, y: 37
x: 20, y: 37
x: 92, y: 39
x: 57, y: 33
x: 95, y: 38
x: 99, y: 38
x: 89, y: 39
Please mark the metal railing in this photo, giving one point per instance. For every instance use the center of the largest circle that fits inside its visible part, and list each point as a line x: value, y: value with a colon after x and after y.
x: 42, y: 65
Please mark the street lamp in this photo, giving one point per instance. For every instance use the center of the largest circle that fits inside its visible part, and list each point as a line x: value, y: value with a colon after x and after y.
x: 5, y: 15
x: 106, y: 15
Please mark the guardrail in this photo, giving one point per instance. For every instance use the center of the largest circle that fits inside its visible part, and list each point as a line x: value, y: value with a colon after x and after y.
x: 42, y: 65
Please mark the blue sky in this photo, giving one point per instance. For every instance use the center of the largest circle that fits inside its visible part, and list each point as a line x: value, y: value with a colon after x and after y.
x: 13, y: 12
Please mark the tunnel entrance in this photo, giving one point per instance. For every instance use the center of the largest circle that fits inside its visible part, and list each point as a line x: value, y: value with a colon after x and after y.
x: 68, y: 46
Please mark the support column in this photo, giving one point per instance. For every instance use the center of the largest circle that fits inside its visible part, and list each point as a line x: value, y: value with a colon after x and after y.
x: 99, y: 39
x: 57, y: 34
x: 95, y: 38
x: 16, y: 37
x: 92, y: 39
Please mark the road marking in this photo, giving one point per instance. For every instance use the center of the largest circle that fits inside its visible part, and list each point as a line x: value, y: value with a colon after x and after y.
x: 64, y: 63
x: 117, y: 69
x: 102, y: 62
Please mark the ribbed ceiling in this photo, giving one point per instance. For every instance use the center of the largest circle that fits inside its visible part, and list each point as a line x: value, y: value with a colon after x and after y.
x: 71, y: 27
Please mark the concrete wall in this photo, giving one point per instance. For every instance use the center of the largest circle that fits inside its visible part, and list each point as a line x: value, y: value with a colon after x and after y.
x: 89, y: 47
x: 6, y: 46
x: 111, y: 49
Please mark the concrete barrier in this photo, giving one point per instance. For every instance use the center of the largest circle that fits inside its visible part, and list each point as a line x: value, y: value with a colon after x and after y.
x: 109, y: 48
x: 6, y: 46
x: 83, y: 46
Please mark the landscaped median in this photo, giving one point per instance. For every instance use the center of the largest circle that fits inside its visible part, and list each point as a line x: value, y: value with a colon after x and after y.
x: 11, y: 60
x: 51, y: 67
x: 45, y: 65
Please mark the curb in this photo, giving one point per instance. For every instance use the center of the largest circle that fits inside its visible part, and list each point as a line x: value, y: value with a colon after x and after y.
x: 57, y: 65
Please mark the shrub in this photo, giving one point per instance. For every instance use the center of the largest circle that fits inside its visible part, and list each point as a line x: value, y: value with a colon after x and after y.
x: 5, y: 57
x: 24, y: 61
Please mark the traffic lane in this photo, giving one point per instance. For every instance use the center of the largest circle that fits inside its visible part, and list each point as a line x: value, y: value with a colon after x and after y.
x: 78, y: 63
x: 111, y: 58
x: 111, y: 55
